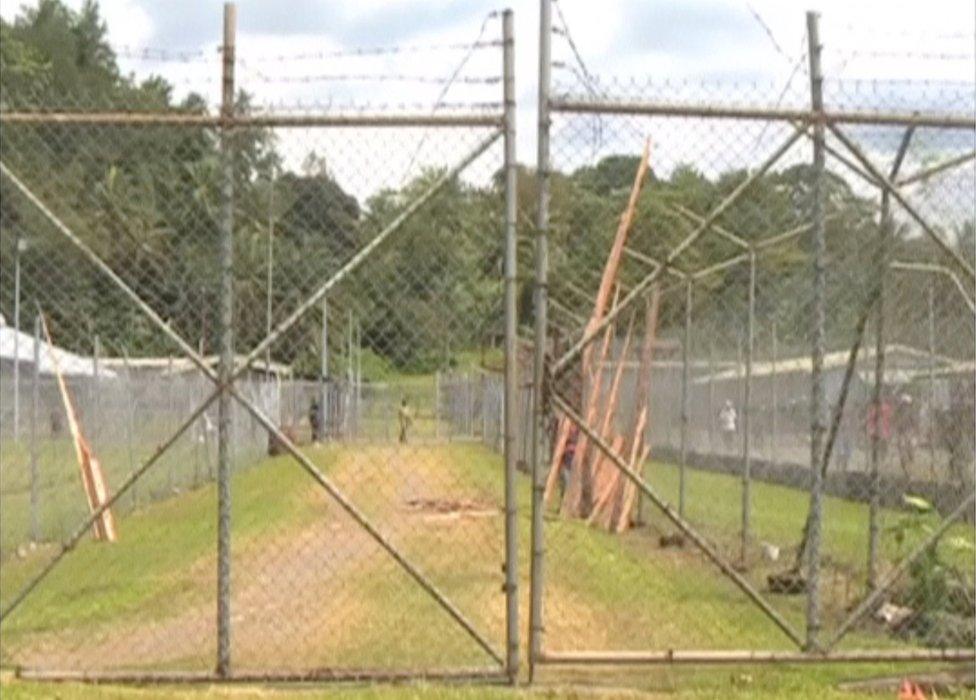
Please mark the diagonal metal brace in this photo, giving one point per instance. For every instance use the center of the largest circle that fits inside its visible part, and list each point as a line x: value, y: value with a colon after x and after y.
x: 707, y: 549
x: 303, y: 460
x: 643, y: 285
x: 364, y: 253
x: 365, y: 523
x: 129, y: 482
x: 889, y: 187
x: 868, y: 603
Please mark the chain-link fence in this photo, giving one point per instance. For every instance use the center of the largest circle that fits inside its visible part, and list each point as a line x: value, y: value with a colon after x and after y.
x: 746, y: 406
x: 757, y: 307
x: 343, y: 271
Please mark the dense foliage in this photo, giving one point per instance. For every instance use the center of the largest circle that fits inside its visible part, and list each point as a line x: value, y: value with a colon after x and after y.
x: 147, y: 201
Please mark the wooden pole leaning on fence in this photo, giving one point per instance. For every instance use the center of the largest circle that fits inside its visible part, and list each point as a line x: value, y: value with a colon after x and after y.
x: 592, y: 491
x: 92, y: 478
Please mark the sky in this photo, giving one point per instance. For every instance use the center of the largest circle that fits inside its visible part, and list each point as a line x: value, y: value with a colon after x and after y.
x: 759, y: 44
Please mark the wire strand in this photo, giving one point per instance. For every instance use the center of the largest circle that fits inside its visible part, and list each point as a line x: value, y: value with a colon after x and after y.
x: 447, y: 86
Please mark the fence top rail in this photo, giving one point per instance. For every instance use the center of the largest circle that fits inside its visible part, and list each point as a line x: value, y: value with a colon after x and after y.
x: 715, y: 111
x: 124, y: 118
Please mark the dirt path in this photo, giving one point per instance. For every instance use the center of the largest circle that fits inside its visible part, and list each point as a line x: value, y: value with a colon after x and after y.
x: 294, y: 593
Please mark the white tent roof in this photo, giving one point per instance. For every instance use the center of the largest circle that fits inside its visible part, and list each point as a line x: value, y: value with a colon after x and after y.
x: 16, y: 345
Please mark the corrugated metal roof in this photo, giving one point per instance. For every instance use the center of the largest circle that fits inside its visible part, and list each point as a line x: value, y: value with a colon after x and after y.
x: 836, y: 360
x: 180, y: 365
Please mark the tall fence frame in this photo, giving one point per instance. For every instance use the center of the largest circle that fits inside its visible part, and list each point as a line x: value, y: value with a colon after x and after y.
x: 549, y: 364
x: 523, y: 425
x: 504, y: 664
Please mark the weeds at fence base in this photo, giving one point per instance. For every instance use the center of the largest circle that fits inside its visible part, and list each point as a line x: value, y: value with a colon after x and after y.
x: 788, y: 583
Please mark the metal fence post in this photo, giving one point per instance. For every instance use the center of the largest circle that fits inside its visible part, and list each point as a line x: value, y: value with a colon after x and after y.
x: 711, y: 398
x: 268, y: 320
x: 35, y: 520
x: 17, y: 250
x: 226, y: 346
x: 95, y: 420
x: 685, y: 351
x: 931, y: 377
x: 511, y: 356
x: 540, y: 339
x: 171, y: 412
x: 817, y: 398
x: 774, y: 399
x: 359, y: 373
x: 130, y: 423
x: 484, y: 405
x: 324, y: 373
x: 348, y: 419
x: 747, y: 414
x: 875, y: 425
x: 437, y: 405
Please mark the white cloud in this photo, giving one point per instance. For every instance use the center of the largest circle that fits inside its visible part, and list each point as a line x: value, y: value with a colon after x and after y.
x: 658, y: 40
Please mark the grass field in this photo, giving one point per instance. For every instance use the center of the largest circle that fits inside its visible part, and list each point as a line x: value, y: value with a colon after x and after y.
x: 310, y: 589
x: 123, y: 439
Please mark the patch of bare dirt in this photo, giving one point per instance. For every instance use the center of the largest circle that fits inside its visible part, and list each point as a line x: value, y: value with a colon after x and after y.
x: 450, y: 509
x: 294, y: 591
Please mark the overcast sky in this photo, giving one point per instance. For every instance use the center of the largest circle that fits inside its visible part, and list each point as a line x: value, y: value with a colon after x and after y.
x: 759, y: 41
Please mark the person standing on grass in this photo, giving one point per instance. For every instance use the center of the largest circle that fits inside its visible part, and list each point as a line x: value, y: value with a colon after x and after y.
x: 906, y: 427
x: 878, y: 426
x: 315, y: 420
x: 844, y: 445
x: 404, y: 418
x: 728, y: 423
x: 569, y: 453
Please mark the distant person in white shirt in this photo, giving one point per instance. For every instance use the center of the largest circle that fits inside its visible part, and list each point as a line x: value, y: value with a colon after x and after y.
x: 728, y: 423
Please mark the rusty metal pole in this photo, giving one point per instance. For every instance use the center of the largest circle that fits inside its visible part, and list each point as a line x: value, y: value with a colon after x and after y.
x: 511, y: 354
x: 685, y: 352
x: 817, y: 395
x: 540, y: 340
x: 747, y: 416
x: 774, y: 399
x: 35, y: 520
x: 226, y: 366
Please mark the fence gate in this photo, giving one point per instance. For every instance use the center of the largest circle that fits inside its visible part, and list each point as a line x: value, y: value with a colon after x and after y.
x: 751, y: 287
x: 322, y: 265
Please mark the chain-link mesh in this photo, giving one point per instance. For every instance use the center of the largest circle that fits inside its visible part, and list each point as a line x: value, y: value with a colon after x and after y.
x: 366, y: 521
x: 682, y: 317
x: 366, y: 530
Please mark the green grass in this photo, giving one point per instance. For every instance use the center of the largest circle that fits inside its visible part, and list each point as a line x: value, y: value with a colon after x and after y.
x: 738, y: 683
x: 61, y: 498
x: 148, y: 572
x: 713, y: 501
x: 603, y: 591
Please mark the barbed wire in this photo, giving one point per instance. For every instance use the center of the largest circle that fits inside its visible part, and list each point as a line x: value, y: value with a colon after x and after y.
x: 331, y: 106
x: 924, y: 55
x: 370, y: 51
x: 847, y: 57
x: 160, y: 55
x: 450, y: 81
x: 582, y: 72
x: 905, y: 34
x: 563, y: 30
x: 769, y: 32
x: 797, y: 66
x: 374, y: 77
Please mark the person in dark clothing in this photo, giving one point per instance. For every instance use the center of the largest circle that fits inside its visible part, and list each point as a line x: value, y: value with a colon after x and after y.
x: 569, y: 454
x: 404, y: 418
x: 315, y: 420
